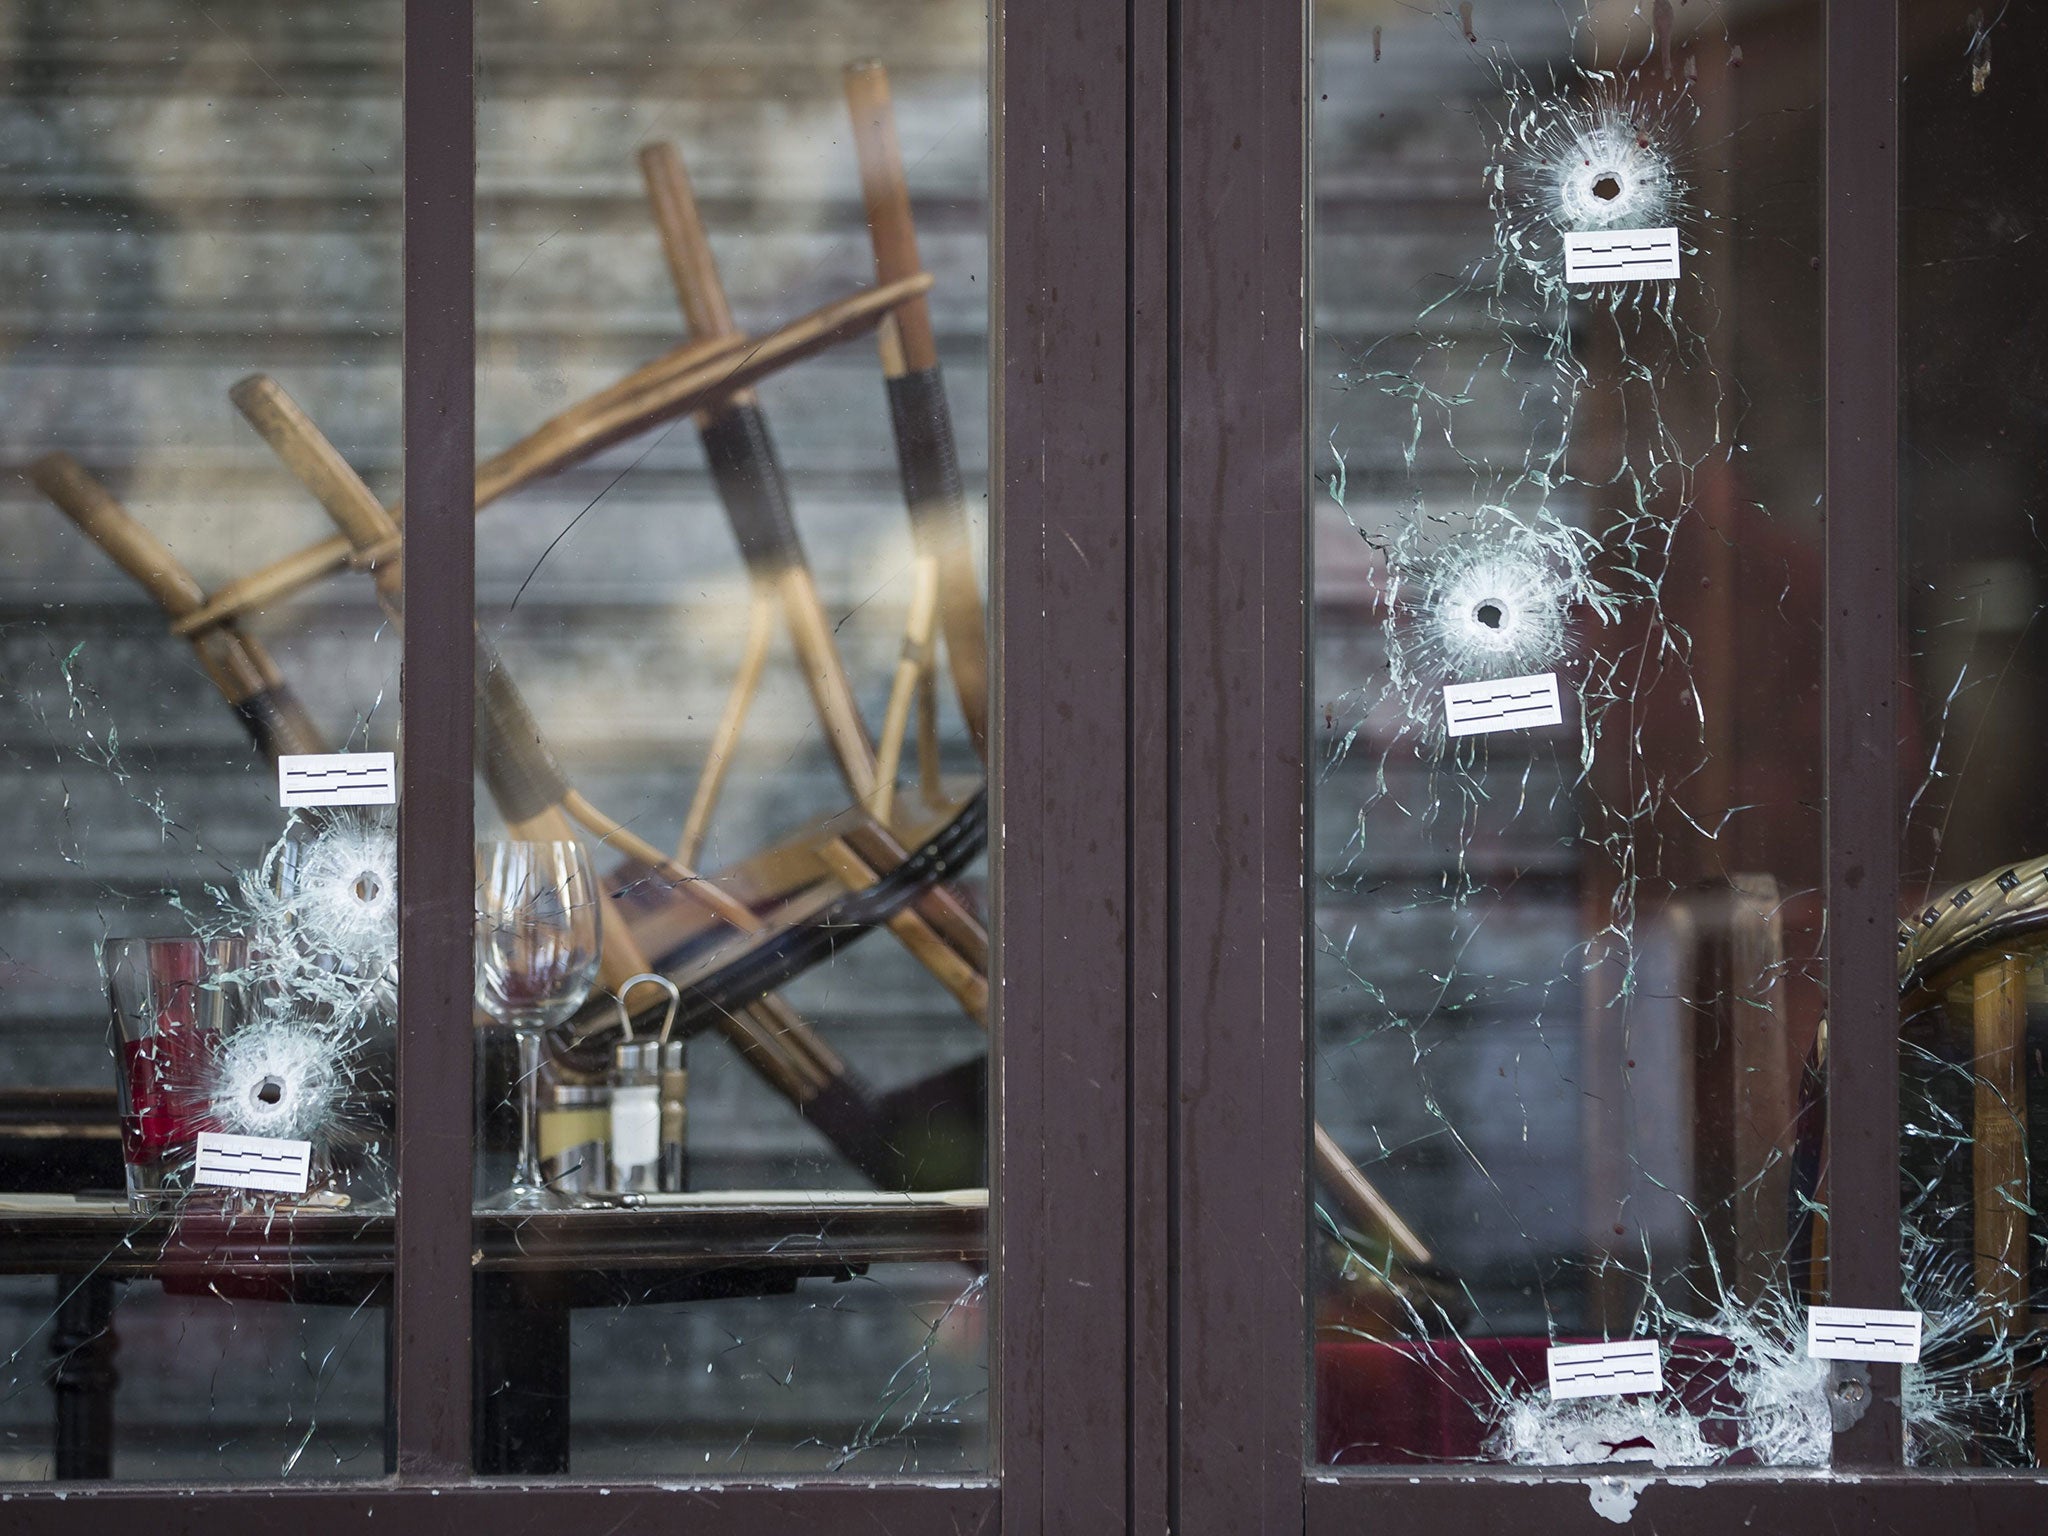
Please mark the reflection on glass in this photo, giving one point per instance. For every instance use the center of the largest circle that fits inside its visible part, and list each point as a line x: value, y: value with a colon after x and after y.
x: 731, y: 395
x: 192, y: 195
x: 1567, y: 672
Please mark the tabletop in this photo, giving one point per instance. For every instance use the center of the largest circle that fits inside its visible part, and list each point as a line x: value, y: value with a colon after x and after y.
x: 811, y: 1231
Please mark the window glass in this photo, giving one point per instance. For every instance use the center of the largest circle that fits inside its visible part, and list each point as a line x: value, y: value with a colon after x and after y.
x: 1566, y: 733
x: 731, y: 395
x: 199, y: 234
x: 1972, y: 478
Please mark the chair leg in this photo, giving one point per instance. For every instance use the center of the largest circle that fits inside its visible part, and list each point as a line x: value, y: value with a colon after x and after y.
x: 82, y: 1377
x: 522, y: 1377
x: 1999, y: 1141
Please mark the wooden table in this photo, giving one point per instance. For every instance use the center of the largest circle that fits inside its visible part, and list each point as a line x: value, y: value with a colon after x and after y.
x: 532, y: 1269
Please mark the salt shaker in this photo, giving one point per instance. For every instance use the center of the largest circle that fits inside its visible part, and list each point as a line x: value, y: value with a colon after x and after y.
x: 646, y: 1074
x: 636, y: 1117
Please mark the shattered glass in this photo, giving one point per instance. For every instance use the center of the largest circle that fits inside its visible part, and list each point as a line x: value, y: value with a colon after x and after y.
x: 1568, y: 1017
x: 775, y: 767
x: 1567, y: 956
x: 1975, y: 568
x: 193, y: 196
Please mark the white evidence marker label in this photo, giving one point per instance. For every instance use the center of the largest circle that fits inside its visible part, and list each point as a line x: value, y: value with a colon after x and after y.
x: 1605, y: 1370
x: 1509, y: 703
x: 1860, y: 1333
x: 337, y: 778
x: 253, y: 1162
x: 1620, y: 255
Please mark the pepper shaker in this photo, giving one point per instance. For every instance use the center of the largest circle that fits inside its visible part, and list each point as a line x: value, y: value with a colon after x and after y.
x: 675, y: 1119
x: 575, y: 1120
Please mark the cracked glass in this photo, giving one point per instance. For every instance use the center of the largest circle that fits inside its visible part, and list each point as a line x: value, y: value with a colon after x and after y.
x: 200, y: 213
x: 1566, y: 736
x: 732, y: 393
x: 1570, y: 1204
x: 1974, y: 563
x: 732, y: 706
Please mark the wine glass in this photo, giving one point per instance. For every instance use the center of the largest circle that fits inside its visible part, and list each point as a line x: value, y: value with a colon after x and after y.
x: 537, y: 932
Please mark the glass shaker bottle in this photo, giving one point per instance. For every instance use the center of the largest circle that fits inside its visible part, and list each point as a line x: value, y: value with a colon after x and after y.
x: 648, y: 1112
x: 675, y: 1119
x: 575, y: 1121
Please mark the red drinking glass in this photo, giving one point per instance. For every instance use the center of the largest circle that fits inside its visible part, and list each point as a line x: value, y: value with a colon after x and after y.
x: 171, y: 998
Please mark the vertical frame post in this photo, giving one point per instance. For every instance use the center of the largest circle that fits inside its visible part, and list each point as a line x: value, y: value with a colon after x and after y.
x: 1061, y: 570
x: 1238, y: 789
x: 1863, y: 829
x: 430, y: 1336
x: 1152, y: 745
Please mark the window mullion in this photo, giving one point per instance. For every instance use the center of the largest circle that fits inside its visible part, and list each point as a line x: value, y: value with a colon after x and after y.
x: 1863, y: 829
x: 430, y: 1335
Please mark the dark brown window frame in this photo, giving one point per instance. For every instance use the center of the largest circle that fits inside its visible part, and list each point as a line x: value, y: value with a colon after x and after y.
x: 1238, y: 789
x: 1150, y: 562
x: 1063, y: 552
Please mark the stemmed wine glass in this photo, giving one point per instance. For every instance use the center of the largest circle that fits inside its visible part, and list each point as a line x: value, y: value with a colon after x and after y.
x: 537, y: 934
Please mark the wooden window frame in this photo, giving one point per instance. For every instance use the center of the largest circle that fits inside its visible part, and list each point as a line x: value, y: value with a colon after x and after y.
x: 1240, y: 321
x: 1060, y: 1143
x: 1150, y: 318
